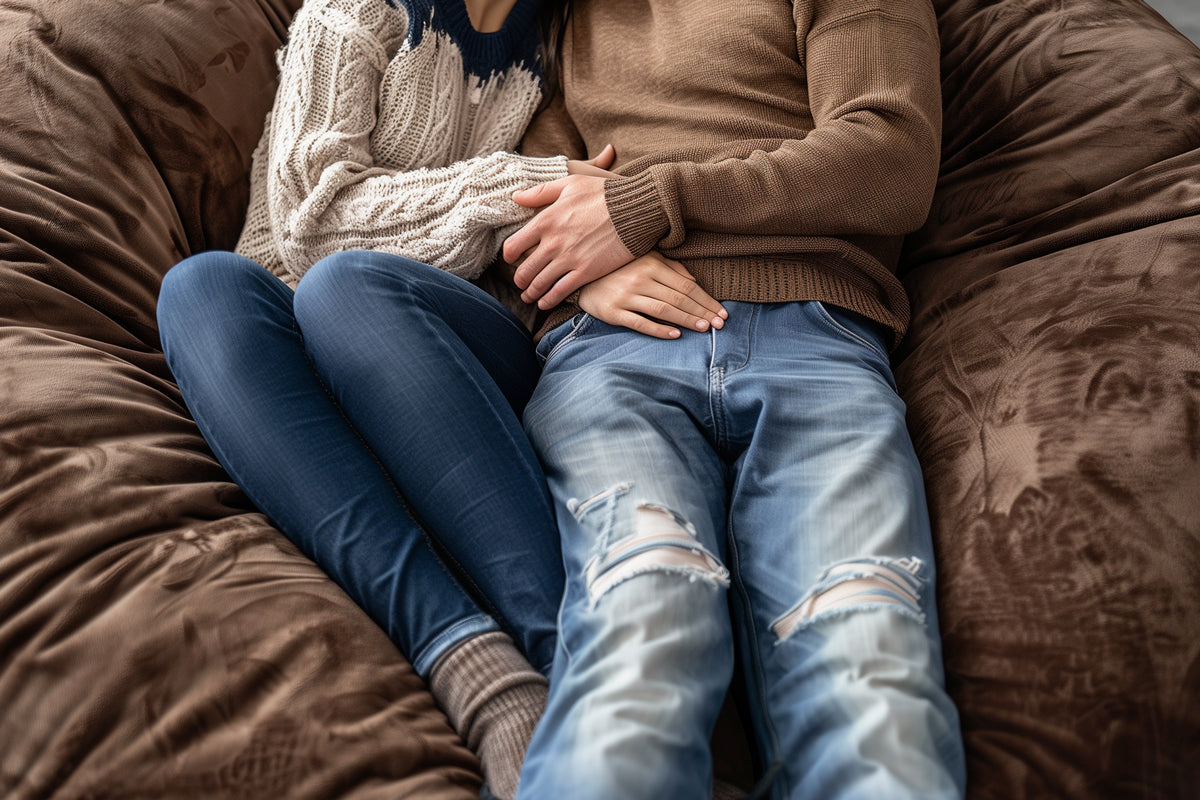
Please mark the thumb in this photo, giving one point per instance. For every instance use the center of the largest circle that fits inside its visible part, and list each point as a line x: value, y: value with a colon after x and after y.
x: 537, y: 196
x: 605, y: 158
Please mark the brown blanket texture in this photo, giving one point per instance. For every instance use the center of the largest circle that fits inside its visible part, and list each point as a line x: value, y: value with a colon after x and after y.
x: 160, y: 639
x: 1053, y: 381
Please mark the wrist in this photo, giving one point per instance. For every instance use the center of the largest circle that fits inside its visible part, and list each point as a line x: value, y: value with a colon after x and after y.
x: 636, y: 210
x: 540, y: 170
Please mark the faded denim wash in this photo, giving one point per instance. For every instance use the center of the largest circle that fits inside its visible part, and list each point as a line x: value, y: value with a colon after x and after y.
x: 765, y: 467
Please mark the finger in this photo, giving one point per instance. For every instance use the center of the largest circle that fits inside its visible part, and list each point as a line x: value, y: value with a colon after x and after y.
x: 712, y: 310
x: 675, y: 266
x: 636, y: 322
x: 535, y: 261
x: 544, y: 282
x: 541, y: 195
x: 686, y: 285
x: 560, y: 288
x: 684, y: 300
x: 669, y: 312
x: 606, y: 157
x: 524, y: 240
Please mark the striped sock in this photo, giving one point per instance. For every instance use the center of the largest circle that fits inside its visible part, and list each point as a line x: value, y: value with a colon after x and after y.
x: 493, y: 698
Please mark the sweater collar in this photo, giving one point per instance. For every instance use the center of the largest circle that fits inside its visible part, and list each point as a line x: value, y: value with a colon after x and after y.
x: 485, y: 53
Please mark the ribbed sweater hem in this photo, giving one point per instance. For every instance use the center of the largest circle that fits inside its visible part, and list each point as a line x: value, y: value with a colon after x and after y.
x: 826, y: 278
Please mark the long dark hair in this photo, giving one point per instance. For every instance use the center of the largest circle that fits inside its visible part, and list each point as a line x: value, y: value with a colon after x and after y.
x: 552, y: 26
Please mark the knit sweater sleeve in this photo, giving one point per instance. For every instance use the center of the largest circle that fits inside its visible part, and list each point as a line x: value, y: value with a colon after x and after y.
x: 868, y: 166
x: 324, y: 191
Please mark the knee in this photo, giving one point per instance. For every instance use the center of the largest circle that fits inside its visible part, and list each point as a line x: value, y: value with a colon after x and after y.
x: 636, y: 537
x: 346, y: 285
x: 200, y: 294
x: 649, y: 610
x: 194, y: 283
x: 898, y: 586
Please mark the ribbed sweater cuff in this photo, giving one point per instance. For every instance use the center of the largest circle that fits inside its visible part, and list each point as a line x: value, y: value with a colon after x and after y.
x: 541, y: 170
x: 636, y: 212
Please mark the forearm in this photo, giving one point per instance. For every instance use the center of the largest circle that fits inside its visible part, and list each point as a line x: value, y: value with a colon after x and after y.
x: 867, y: 167
x: 325, y: 190
x: 454, y: 217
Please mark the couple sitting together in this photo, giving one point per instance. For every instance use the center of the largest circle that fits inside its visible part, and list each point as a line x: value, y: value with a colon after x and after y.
x: 558, y: 336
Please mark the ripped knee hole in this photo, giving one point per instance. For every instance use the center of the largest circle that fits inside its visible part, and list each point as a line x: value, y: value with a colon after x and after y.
x: 662, y: 541
x: 857, y: 585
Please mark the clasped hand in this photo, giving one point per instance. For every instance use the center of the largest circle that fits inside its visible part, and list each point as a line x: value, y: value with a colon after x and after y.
x: 650, y: 295
x: 572, y: 240
x: 572, y: 243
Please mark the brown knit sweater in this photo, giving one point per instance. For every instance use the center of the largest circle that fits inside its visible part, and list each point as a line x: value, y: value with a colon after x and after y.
x: 778, y: 149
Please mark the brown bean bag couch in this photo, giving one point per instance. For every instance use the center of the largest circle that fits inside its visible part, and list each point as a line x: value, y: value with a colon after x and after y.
x: 159, y: 639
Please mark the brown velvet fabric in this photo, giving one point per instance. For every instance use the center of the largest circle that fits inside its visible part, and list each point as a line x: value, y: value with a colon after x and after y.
x: 157, y: 640
x: 1053, y: 380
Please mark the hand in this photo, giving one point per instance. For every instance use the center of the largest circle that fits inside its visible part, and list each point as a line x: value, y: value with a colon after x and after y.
x: 650, y: 291
x: 570, y: 242
x: 597, y: 166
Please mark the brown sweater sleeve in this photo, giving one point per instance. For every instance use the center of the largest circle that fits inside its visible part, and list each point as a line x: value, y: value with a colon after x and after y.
x: 867, y: 167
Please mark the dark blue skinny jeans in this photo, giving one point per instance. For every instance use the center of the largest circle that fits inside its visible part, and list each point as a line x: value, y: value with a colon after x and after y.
x: 374, y: 416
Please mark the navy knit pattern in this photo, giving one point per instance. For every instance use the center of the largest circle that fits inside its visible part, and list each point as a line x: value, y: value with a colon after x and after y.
x: 484, y: 54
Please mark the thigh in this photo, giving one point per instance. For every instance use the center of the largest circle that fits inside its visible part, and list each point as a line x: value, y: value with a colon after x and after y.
x: 232, y: 341
x: 618, y: 420
x: 827, y: 472
x: 645, y: 642
x: 417, y: 321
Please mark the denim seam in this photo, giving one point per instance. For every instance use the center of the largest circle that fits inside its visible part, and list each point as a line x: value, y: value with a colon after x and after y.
x: 759, y: 679
x: 754, y: 309
x: 579, y: 324
x: 716, y: 393
x: 424, y: 661
x: 845, y: 332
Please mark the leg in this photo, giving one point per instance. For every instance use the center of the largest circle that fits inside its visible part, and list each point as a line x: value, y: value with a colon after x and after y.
x: 645, y: 650
x: 434, y: 374
x: 230, y: 338
x: 834, y: 566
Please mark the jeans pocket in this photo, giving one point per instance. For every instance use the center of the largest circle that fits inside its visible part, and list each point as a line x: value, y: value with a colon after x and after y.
x: 854, y: 327
x: 554, y: 341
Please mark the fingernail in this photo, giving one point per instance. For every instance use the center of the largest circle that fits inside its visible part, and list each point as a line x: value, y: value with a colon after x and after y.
x: 701, y: 324
x: 718, y: 323
x: 674, y: 334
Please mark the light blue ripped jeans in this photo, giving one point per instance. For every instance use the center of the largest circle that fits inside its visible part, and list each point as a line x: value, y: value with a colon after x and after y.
x: 769, y: 458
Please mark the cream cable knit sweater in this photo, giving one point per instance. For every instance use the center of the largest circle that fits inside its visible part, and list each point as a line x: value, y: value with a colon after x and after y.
x: 388, y: 138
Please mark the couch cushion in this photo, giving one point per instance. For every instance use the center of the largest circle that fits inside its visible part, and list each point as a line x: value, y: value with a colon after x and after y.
x: 1053, y: 381
x: 157, y: 638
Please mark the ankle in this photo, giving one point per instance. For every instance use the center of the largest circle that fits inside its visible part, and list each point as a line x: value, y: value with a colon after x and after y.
x: 493, y: 698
